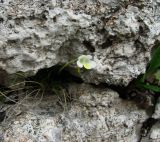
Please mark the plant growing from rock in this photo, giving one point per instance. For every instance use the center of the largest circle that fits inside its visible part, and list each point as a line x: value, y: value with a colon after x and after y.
x: 150, y: 80
x: 85, y: 61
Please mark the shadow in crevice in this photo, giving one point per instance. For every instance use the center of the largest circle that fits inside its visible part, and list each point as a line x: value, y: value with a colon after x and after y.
x: 146, y: 127
x: 46, y: 85
x: 143, y: 98
x: 53, y: 76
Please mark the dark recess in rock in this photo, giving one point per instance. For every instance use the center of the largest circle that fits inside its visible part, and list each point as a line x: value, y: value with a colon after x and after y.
x: 147, y: 125
x: 89, y: 46
x: 2, y: 115
x: 1, y: 20
x: 109, y: 42
x: 51, y: 76
x: 143, y: 98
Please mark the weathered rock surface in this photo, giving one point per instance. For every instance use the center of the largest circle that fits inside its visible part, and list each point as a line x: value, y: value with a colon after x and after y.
x: 96, y: 115
x: 156, y: 114
x: 154, y: 134
x: 42, y: 33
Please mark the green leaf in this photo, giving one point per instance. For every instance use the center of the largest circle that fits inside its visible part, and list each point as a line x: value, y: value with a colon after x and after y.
x: 148, y: 86
x: 155, y: 61
x: 157, y: 75
x: 154, y: 64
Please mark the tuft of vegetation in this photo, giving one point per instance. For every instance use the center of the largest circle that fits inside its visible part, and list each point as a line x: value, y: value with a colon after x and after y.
x: 46, y: 82
x: 151, y: 79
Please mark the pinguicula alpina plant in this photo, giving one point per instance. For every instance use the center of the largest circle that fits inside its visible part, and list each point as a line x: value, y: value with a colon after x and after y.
x: 86, y: 62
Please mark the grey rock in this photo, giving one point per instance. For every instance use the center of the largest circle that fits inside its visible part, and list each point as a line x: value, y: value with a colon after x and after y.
x: 155, y: 132
x: 118, y: 33
x: 156, y: 114
x: 96, y: 114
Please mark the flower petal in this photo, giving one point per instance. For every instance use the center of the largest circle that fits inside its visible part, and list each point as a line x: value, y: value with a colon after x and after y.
x: 89, y: 57
x: 81, y: 57
x: 79, y: 64
x: 84, y: 60
x: 93, y: 64
x: 87, y: 66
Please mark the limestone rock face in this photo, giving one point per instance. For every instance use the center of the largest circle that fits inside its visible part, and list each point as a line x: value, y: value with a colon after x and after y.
x: 155, y: 132
x: 95, y: 115
x: 156, y: 114
x: 119, y: 34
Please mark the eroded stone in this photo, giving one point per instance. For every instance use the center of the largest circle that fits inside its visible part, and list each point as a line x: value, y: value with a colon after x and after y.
x: 119, y: 34
x: 96, y: 114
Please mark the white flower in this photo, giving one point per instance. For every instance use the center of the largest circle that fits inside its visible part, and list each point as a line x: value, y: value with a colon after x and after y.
x: 86, y: 62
